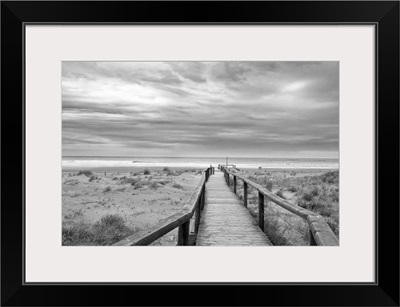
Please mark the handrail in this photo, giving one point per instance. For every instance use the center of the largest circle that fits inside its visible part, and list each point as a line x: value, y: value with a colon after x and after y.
x: 321, y: 233
x: 193, y: 206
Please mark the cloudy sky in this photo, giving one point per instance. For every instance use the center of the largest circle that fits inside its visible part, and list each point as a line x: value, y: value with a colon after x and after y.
x: 201, y: 109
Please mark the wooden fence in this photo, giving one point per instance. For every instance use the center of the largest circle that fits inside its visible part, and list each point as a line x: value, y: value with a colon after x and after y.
x: 187, y: 230
x: 320, y: 232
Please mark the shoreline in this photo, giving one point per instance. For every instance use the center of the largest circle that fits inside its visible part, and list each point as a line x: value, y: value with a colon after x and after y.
x: 127, y: 169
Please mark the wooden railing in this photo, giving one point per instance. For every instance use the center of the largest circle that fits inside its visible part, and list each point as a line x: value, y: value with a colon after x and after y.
x: 187, y: 230
x: 320, y: 232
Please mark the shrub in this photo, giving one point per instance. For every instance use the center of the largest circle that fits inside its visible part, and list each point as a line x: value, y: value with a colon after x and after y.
x: 307, y: 196
x: 138, y: 184
x: 72, y: 182
x: 335, y: 197
x: 146, y: 172
x: 93, y: 177
x: 269, y: 185
x: 333, y: 224
x: 330, y: 177
x: 86, y: 173
x: 280, y: 194
x: 323, y: 209
x: 78, y: 234
x: 252, y: 178
x: 292, y: 189
x: 273, y: 232
x: 107, y: 189
x: 131, y: 181
x: 166, y: 169
x: 314, y: 191
x: 154, y: 185
x: 177, y: 186
x: 110, y: 229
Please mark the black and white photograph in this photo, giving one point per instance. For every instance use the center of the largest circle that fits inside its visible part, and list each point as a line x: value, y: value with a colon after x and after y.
x: 200, y: 153
x: 250, y: 146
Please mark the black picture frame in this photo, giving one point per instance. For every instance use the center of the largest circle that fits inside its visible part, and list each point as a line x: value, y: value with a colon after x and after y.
x: 383, y: 14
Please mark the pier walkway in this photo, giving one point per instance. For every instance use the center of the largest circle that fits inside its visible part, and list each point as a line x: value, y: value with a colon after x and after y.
x: 214, y: 215
x: 225, y: 220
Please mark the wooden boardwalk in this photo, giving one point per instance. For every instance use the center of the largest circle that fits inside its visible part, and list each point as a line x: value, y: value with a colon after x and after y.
x: 225, y: 221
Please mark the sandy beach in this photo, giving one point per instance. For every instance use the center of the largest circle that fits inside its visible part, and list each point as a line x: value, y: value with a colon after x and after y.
x: 140, y: 197
x: 316, y: 190
x: 121, y: 201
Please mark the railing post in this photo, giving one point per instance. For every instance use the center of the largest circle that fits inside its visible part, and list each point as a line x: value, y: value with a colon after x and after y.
x: 227, y: 176
x: 203, y: 197
x: 234, y: 184
x: 198, y: 213
x: 261, y: 211
x: 183, y: 233
x: 312, y: 240
x: 245, y: 193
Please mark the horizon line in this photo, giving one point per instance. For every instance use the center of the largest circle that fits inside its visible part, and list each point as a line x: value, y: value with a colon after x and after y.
x: 220, y: 157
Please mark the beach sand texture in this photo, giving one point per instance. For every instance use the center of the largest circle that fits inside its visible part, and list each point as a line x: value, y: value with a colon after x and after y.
x: 141, y: 200
x: 144, y: 198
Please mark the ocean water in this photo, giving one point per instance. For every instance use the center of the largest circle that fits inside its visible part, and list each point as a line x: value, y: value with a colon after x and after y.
x: 75, y: 163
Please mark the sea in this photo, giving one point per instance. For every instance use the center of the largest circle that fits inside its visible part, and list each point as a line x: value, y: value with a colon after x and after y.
x: 103, y: 162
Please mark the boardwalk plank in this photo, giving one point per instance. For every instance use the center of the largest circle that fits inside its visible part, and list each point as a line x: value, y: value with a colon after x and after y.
x: 225, y: 221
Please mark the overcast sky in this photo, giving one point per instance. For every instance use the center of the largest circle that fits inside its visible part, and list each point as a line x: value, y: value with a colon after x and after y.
x: 210, y: 109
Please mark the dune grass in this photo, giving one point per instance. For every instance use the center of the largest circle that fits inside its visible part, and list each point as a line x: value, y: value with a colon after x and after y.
x: 86, y: 173
x: 108, y: 230
x: 146, y: 172
x: 316, y: 193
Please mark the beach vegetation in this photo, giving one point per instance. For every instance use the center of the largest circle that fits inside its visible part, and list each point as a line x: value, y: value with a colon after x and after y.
x: 269, y: 185
x: 107, y: 189
x: 87, y: 173
x: 275, y: 234
x: 314, y: 191
x: 146, y: 172
x: 131, y: 181
x: 154, y: 185
x: 139, y: 184
x: 280, y: 194
x: 93, y: 177
x: 177, y: 186
x: 108, y: 230
x: 75, y: 194
x: 307, y: 196
x: 72, y: 182
x: 317, y: 193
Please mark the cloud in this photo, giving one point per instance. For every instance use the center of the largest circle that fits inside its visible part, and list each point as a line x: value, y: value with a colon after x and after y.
x: 200, y: 108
